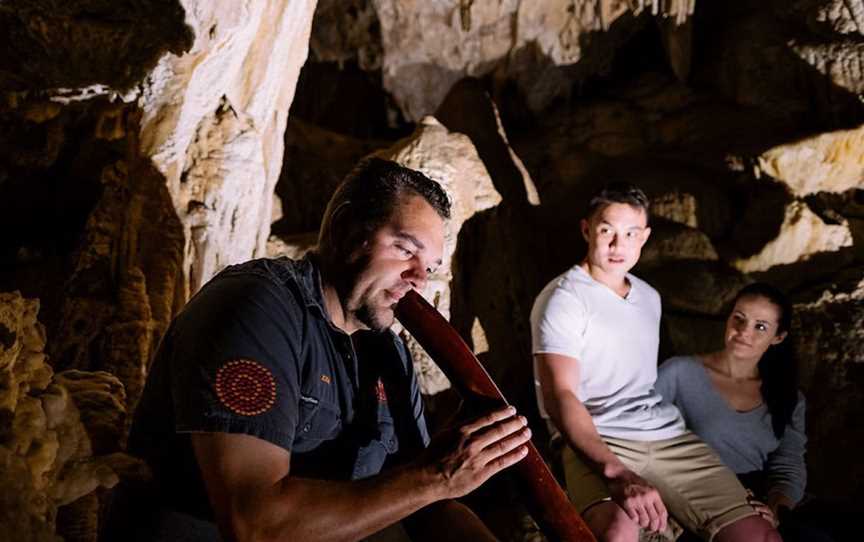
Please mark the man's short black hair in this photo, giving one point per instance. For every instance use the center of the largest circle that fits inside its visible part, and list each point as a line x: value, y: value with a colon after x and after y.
x: 619, y: 192
x: 366, y: 199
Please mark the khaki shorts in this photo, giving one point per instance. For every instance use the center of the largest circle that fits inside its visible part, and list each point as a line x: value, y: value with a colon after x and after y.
x: 698, y: 490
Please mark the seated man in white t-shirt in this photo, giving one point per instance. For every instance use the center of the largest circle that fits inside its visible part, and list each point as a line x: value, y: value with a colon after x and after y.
x: 628, y: 457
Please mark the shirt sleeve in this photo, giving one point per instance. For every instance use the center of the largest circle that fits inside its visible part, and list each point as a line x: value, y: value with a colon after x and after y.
x: 786, y: 469
x: 235, y: 365
x: 667, y: 380
x: 558, y: 323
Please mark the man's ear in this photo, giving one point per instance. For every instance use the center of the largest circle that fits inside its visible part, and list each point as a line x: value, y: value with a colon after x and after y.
x: 584, y: 224
x: 646, y: 233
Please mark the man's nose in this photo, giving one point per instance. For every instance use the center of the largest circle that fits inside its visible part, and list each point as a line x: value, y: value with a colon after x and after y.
x: 417, y: 275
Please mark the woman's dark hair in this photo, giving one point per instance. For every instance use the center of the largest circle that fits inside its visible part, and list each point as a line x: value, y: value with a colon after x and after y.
x: 778, y: 367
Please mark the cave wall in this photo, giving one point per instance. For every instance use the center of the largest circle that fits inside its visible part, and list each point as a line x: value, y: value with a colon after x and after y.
x: 140, y: 145
x: 740, y: 119
x: 146, y: 144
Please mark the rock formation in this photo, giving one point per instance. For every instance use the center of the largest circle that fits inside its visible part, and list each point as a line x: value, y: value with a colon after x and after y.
x: 151, y: 135
x: 46, y: 458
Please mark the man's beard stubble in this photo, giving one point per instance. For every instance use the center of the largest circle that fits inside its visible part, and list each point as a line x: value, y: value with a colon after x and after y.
x: 365, y: 312
x: 371, y: 318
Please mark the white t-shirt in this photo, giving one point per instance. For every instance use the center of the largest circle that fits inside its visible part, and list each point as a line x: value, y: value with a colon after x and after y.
x: 615, y: 340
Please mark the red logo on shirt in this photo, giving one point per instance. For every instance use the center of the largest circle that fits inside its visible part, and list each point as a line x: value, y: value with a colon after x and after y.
x: 246, y: 387
x: 380, y: 393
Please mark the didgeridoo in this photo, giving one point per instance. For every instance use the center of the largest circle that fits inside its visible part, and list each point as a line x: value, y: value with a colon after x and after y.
x: 545, y: 499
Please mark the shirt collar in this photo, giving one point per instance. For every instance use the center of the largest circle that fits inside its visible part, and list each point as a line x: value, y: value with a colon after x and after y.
x: 307, y: 275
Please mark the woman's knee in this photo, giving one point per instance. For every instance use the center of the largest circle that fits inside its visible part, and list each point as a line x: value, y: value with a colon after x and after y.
x: 749, y: 529
x: 624, y: 531
x: 610, y: 523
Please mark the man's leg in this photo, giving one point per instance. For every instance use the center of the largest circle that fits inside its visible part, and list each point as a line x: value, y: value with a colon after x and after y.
x: 589, y: 495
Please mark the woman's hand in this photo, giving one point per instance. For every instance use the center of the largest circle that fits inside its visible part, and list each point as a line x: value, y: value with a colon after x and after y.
x: 778, y: 502
x: 763, y: 510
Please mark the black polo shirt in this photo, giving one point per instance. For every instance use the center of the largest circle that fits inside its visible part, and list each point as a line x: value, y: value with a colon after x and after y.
x: 255, y: 353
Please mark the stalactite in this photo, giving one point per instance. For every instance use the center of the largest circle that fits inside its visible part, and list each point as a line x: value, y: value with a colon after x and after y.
x: 465, y: 14
x: 680, y: 10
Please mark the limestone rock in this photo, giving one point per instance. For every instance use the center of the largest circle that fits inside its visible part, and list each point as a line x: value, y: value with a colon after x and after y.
x: 839, y: 61
x: 829, y: 162
x: 481, y: 35
x: 469, y: 109
x: 802, y: 235
x: 223, y: 185
x: 672, y: 241
x: 676, y: 207
x: 22, y: 360
x: 346, y: 31
x: 101, y: 401
x: 766, y: 59
x: 450, y: 159
x: 214, y: 119
x: 51, y: 44
x: 416, y: 69
x: 116, y: 325
x: 829, y: 336
x: 687, y: 333
x: 291, y: 246
x: 180, y: 166
x: 504, y: 258
x: 316, y: 160
x: 45, y: 454
x: 840, y: 16
x: 693, y: 286
x: 556, y: 27
x: 631, y: 136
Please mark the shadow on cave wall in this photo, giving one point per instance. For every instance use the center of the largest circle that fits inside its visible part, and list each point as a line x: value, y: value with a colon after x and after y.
x: 50, y: 45
x: 97, y: 238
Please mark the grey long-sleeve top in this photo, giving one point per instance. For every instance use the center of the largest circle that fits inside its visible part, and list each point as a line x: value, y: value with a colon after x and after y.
x: 744, y: 441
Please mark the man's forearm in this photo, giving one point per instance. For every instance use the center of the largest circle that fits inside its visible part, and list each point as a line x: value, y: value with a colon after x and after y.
x: 577, y: 427
x: 307, y: 509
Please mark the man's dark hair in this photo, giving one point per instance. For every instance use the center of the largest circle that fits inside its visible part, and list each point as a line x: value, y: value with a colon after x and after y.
x: 619, y: 192
x: 366, y: 199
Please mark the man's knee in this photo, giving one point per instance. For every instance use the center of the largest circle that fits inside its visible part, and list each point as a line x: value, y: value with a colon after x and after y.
x: 610, y: 523
x: 749, y: 529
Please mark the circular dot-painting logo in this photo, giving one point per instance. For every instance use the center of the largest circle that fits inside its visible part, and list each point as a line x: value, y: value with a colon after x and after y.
x: 246, y: 387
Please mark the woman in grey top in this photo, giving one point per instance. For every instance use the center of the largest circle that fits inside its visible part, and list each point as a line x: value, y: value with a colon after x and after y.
x: 744, y: 402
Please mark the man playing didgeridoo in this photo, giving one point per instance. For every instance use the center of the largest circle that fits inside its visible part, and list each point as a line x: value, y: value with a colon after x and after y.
x: 281, y: 407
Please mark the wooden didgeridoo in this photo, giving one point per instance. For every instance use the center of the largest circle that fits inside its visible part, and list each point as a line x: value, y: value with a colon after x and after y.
x: 545, y: 499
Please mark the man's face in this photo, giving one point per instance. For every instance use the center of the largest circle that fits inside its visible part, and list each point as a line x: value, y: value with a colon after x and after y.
x: 397, y: 257
x: 615, y: 235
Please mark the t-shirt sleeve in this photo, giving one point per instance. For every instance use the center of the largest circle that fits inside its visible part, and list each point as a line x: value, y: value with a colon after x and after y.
x: 667, y: 379
x: 787, y: 471
x: 235, y: 364
x: 558, y: 323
